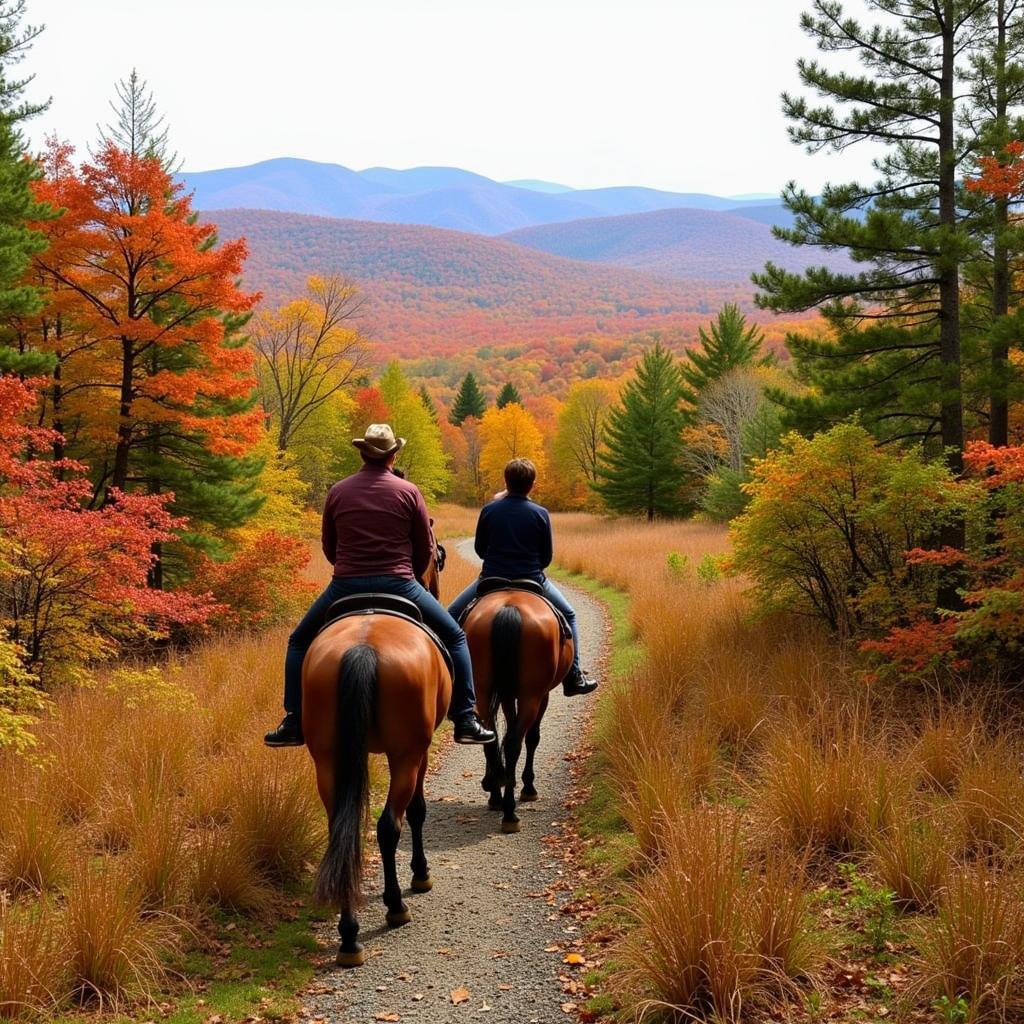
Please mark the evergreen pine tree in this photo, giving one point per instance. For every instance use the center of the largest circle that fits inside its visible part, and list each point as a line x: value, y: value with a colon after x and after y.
x: 138, y: 127
x: 730, y: 344
x: 898, y: 348
x: 641, y: 471
x: 468, y: 402
x: 508, y: 394
x: 18, y: 243
x: 996, y: 79
x: 428, y: 402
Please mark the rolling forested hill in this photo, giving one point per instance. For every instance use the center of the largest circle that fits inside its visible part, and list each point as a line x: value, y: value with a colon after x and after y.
x: 687, y: 244
x: 445, y: 290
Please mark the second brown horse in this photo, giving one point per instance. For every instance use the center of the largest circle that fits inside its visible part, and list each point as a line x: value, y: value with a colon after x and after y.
x: 519, y: 656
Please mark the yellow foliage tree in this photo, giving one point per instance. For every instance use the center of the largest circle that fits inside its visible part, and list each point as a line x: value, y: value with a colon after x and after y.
x: 579, y: 439
x: 509, y: 433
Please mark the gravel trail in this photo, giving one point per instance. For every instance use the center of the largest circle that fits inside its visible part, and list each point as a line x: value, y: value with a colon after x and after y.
x: 485, y: 925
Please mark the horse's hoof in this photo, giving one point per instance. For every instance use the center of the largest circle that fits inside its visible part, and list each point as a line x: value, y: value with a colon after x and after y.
x: 528, y: 796
x: 353, y: 958
x: 486, y: 785
x: 495, y: 804
x: 396, y: 918
x: 510, y: 827
x: 422, y: 884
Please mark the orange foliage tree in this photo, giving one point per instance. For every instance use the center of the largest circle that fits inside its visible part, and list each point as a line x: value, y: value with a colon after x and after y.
x: 145, y: 315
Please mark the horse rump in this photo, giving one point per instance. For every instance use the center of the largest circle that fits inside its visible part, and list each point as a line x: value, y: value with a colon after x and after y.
x: 339, y: 877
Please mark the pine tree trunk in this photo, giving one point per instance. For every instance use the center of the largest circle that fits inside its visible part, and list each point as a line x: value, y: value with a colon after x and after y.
x: 952, y: 416
x: 999, y: 410
x: 953, y: 534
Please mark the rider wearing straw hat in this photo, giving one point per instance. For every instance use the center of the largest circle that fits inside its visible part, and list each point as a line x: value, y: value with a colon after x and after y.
x: 376, y: 534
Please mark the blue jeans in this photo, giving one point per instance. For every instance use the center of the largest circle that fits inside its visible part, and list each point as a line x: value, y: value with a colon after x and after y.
x: 434, y: 615
x: 553, y: 594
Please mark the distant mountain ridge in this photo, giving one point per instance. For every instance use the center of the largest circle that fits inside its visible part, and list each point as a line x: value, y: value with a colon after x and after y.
x: 710, y: 245
x: 447, y: 197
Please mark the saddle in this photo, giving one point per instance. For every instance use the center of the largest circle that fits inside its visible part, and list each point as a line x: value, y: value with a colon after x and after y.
x: 386, y: 604
x: 491, y: 584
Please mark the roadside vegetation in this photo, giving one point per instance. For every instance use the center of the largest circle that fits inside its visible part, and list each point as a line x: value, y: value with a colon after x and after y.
x: 776, y: 833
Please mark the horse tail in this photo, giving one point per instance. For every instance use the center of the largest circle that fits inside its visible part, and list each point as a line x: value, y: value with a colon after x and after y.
x: 505, y: 633
x: 339, y: 878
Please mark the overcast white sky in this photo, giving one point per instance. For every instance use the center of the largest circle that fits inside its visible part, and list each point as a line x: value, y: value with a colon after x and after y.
x: 675, y: 94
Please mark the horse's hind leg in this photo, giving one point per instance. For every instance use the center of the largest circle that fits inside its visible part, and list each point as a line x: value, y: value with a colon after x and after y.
x: 492, y: 777
x: 350, y: 954
x: 389, y: 829
x: 513, y: 746
x: 417, y: 814
x: 529, y: 792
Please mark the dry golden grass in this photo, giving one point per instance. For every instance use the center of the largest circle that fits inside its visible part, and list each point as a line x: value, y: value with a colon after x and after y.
x: 920, y: 792
x: 710, y: 938
x: 151, y: 799
x: 973, y: 949
x: 912, y: 859
x: 33, y: 960
x: 115, y: 952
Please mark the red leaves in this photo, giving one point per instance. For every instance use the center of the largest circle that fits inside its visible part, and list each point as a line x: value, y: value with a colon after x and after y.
x: 1001, y: 176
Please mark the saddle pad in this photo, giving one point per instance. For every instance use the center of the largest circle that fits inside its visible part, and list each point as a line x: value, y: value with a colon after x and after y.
x: 493, y: 584
x: 395, y: 614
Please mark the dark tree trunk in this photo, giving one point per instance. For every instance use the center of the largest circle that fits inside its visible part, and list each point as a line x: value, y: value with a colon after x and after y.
x: 999, y: 411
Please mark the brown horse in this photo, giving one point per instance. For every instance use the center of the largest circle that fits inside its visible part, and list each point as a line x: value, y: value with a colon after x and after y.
x: 519, y: 656
x: 371, y: 683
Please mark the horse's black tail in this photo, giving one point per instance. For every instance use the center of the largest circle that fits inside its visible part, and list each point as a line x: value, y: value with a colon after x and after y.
x: 339, y: 878
x: 505, y: 633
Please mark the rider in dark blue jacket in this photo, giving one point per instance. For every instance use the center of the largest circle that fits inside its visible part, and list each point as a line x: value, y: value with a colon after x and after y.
x: 513, y: 537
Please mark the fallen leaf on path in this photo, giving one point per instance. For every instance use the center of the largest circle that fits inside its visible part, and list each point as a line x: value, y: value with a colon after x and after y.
x: 505, y: 988
x: 568, y: 1007
x: 417, y: 997
x: 392, y: 1017
x: 573, y: 958
x: 460, y: 995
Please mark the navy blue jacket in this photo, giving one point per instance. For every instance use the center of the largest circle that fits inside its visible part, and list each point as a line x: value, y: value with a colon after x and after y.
x: 513, y: 537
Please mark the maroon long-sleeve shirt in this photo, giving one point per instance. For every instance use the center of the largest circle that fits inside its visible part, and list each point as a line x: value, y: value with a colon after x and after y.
x: 376, y: 524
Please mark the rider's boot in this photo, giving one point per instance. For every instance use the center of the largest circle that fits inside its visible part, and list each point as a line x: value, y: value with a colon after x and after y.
x: 577, y: 683
x: 469, y: 729
x: 288, y: 733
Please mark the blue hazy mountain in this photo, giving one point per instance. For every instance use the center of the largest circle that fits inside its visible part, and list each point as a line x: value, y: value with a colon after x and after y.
x: 535, y: 185
x: 447, y: 197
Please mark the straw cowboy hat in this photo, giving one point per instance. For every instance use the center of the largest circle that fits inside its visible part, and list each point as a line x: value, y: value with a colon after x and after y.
x: 379, y: 441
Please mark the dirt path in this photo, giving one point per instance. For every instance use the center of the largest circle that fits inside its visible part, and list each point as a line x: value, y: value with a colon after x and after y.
x: 486, y: 924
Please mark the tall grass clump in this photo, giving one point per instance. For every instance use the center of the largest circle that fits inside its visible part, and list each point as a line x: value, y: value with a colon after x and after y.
x: 277, y: 809
x: 35, y: 845
x: 33, y: 960
x: 825, y: 786
x: 711, y: 938
x: 912, y: 859
x: 973, y: 948
x: 990, y: 801
x: 115, y: 953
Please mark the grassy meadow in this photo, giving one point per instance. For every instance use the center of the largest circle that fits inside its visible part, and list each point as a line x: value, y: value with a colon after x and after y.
x: 773, y: 835
x: 154, y: 852
x: 776, y: 836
